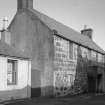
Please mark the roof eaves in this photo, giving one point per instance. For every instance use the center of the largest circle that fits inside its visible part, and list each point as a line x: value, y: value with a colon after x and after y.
x: 75, y: 36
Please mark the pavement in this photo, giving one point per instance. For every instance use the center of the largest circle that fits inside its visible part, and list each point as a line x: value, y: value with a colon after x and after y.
x: 74, y: 100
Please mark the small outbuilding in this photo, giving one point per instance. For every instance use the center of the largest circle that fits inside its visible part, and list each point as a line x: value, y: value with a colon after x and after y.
x: 15, y: 71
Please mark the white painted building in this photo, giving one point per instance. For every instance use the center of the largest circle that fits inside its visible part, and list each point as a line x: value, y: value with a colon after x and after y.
x: 15, y: 73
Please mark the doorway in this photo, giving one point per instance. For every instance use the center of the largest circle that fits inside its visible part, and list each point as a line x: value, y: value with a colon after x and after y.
x: 99, y: 83
x: 91, y: 84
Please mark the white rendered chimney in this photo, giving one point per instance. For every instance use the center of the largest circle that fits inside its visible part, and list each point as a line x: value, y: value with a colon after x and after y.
x: 5, y: 23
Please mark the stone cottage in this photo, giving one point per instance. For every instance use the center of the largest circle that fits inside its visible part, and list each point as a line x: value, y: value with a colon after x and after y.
x: 63, y: 61
x: 15, y: 73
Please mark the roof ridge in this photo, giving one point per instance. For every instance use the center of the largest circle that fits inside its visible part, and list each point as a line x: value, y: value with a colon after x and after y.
x: 32, y: 10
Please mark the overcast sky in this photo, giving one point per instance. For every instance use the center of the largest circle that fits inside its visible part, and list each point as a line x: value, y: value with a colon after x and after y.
x: 73, y: 13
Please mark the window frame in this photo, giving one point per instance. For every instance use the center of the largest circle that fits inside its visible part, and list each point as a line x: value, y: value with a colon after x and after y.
x: 71, y: 50
x: 13, y: 72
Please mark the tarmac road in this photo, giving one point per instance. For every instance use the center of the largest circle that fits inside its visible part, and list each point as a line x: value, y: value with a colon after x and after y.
x: 75, y: 100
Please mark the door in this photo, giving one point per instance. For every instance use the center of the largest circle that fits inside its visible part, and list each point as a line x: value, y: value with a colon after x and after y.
x: 92, y: 79
x: 91, y: 84
x: 99, y: 83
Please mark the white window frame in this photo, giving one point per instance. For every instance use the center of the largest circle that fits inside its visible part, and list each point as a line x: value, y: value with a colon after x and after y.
x: 12, y: 72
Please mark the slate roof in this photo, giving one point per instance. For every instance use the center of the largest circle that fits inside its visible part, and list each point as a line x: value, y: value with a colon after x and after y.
x: 66, y: 32
x: 7, y: 50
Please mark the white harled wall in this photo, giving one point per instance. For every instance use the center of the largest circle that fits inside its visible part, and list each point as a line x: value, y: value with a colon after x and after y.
x: 23, y: 87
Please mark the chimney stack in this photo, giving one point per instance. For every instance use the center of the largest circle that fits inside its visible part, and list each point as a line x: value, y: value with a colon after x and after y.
x: 87, y: 32
x: 5, y: 23
x: 5, y: 34
x: 24, y: 4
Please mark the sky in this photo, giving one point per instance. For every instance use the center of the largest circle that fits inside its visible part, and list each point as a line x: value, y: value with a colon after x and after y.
x: 73, y: 13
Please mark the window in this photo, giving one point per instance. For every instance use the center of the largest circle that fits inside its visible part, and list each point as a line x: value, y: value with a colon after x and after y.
x: 75, y: 53
x: 61, y: 48
x: 0, y: 35
x: 100, y: 58
x: 84, y: 52
x: 89, y: 54
x: 93, y: 56
x: 71, y: 50
x: 11, y: 72
x: 65, y: 51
